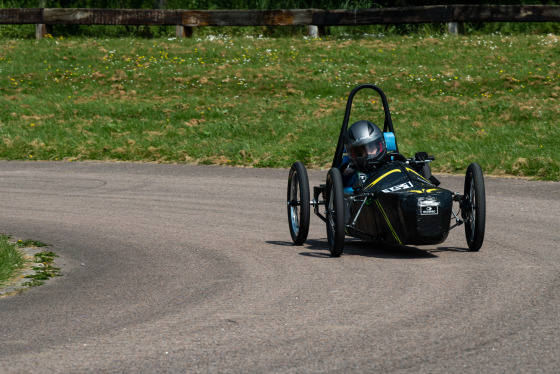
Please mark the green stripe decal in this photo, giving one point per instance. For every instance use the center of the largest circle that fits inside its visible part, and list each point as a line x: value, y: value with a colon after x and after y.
x: 388, y: 222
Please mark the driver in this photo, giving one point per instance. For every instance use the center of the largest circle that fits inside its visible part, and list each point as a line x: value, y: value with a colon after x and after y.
x: 363, y: 142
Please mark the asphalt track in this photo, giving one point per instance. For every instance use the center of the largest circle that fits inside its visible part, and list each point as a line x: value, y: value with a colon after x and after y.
x: 178, y: 268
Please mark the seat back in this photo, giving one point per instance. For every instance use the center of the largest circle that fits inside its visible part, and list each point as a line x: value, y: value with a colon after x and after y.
x: 390, y: 141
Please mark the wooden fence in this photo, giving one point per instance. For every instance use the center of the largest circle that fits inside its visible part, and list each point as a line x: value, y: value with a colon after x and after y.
x: 185, y: 20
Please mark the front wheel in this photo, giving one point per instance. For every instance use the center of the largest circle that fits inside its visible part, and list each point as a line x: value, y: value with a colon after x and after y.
x: 298, y: 203
x: 474, y: 210
x: 334, y: 201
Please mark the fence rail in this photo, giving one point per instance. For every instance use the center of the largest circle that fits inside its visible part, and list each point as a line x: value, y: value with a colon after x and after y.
x: 289, y: 17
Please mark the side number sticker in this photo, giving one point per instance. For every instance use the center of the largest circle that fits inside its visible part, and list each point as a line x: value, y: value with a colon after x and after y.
x: 399, y: 187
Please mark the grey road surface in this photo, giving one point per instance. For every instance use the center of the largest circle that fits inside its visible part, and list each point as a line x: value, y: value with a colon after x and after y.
x: 180, y: 269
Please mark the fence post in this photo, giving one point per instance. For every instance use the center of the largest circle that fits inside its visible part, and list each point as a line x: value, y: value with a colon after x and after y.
x: 183, y: 31
x: 315, y: 31
x: 456, y: 28
x: 42, y: 30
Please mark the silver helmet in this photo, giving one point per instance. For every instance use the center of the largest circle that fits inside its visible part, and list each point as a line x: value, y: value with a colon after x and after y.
x: 364, y: 141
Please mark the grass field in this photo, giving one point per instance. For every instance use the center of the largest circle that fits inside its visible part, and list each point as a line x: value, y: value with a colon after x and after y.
x: 13, y: 260
x: 267, y: 102
x: 10, y: 259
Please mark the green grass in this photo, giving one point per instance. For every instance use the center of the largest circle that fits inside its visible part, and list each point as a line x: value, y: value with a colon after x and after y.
x: 44, y: 269
x: 10, y: 259
x: 267, y: 102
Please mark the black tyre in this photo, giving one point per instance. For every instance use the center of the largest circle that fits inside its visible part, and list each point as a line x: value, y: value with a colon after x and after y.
x: 334, y: 201
x: 474, y: 210
x: 298, y: 203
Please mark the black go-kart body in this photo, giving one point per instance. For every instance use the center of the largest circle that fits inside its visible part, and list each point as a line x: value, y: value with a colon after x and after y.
x: 396, y: 200
x: 398, y: 205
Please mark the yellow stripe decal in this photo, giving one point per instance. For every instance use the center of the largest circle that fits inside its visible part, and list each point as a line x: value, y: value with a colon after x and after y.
x: 429, y: 190
x: 383, y: 176
x: 414, y: 171
x: 388, y: 222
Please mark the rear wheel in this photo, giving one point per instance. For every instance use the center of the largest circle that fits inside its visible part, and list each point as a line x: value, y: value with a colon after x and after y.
x: 334, y: 201
x: 298, y: 203
x: 474, y: 207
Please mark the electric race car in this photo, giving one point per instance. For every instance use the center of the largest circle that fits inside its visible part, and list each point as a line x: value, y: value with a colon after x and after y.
x: 393, y: 199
